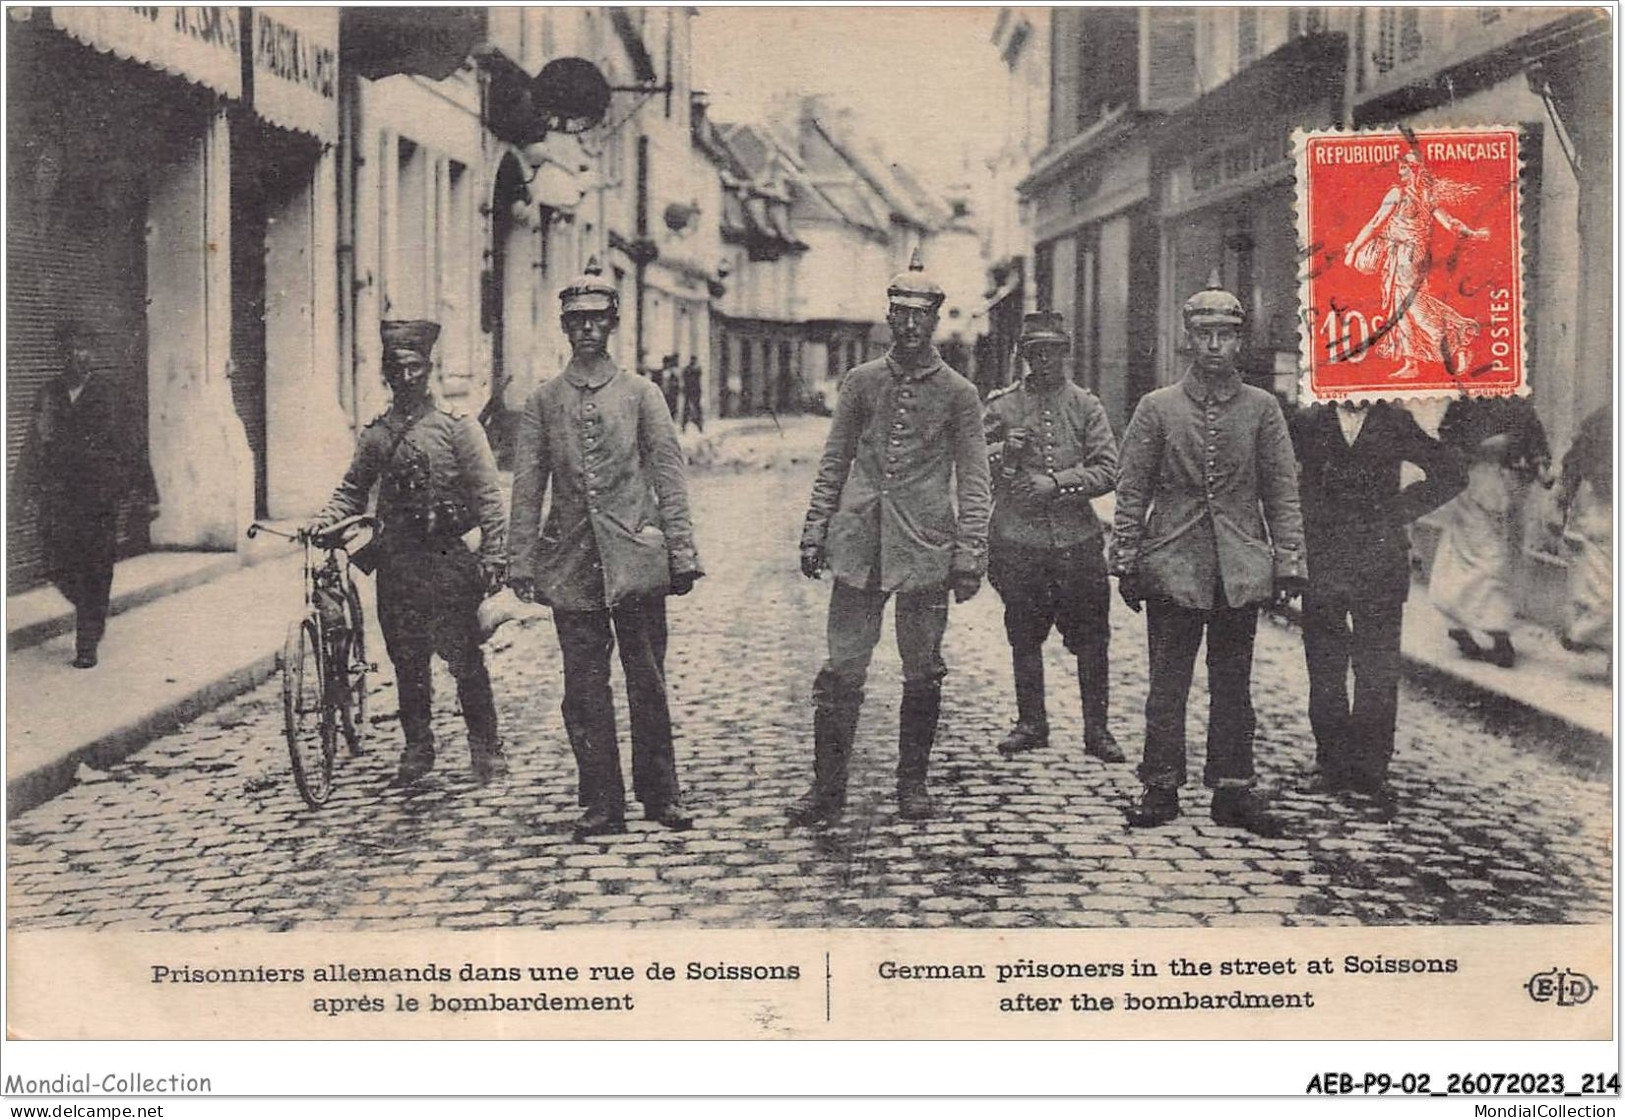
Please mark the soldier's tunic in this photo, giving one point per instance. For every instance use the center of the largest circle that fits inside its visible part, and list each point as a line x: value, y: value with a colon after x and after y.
x: 436, y: 480
x: 1046, y: 559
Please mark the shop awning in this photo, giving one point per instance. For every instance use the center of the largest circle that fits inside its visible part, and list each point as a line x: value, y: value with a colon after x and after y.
x: 296, y: 69
x: 434, y: 42
x: 198, y: 44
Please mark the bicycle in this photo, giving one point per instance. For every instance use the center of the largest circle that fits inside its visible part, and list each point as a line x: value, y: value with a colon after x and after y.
x: 324, y: 659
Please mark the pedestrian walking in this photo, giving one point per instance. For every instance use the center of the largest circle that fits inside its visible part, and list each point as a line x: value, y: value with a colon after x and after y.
x: 900, y: 508
x: 1474, y: 577
x: 1355, y: 514
x: 618, y: 539
x: 1207, y: 530
x: 1051, y: 451
x: 693, y: 395
x: 436, y: 480
x: 1585, y: 507
x: 84, y: 458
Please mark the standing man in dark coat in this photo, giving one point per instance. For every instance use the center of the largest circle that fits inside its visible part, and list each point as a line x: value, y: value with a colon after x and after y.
x: 84, y: 458
x: 671, y: 384
x: 436, y: 480
x: 1051, y: 450
x: 617, y: 541
x: 1207, y: 530
x: 906, y: 442
x: 693, y: 395
x: 1355, y: 514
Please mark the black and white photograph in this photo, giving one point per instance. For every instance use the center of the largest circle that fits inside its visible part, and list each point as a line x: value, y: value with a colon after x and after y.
x: 653, y: 473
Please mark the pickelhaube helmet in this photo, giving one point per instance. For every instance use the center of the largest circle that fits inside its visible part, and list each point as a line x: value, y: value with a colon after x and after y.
x: 1039, y: 327
x: 914, y: 288
x: 589, y: 292
x: 1215, y: 304
x: 416, y: 335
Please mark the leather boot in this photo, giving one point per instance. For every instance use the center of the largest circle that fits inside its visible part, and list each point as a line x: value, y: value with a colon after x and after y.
x: 418, y: 758
x: 1240, y: 807
x: 486, y: 757
x: 577, y: 735
x: 1094, y: 690
x: 1032, y: 721
x: 916, y: 732
x: 1156, y: 806
x: 833, y: 731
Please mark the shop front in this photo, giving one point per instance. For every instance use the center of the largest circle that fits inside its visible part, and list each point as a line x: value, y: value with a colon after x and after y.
x: 115, y: 123
x: 1224, y: 192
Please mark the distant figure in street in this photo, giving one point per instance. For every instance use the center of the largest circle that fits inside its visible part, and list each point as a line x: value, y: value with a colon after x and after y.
x: 693, y: 395
x: 904, y: 450
x: 1207, y: 530
x: 671, y: 383
x: 1051, y: 450
x: 436, y: 480
x: 1355, y: 515
x: 83, y: 459
x: 1585, y: 505
x: 1475, y: 566
x: 617, y: 541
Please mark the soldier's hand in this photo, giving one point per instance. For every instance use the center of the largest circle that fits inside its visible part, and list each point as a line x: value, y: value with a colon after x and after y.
x: 1128, y: 589
x: 1037, y: 487
x: 966, y: 585
x: 524, y: 588
x: 153, y: 510
x: 1015, y: 442
x: 812, y: 560
x: 683, y: 582
x: 1288, y: 588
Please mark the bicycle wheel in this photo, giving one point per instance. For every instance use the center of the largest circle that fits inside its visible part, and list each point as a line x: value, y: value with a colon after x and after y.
x: 353, y: 705
x: 307, y: 720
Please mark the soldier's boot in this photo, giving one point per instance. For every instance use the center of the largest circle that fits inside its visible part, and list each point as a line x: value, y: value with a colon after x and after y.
x: 1240, y: 807
x: 1094, y: 690
x: 1032, y: 721
x: 1156, y: 806
x: 418, y: 757
x: 834, y: 727
x: 414, y: 690
x: 916, y: 732
x: 487, y: 759
x: 577, y: 734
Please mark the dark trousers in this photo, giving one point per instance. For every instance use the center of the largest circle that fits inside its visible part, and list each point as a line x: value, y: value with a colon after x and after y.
x: 1048, y: 589
x: 1353, y: 742
x: 1173, y: 635
x: 693, y: 413
x: 81, y: 541
x: 427, y: 604
x: 586, y: 639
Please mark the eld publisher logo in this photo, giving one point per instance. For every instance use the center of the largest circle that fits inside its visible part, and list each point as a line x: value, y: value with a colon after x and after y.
x: 1564, y: 987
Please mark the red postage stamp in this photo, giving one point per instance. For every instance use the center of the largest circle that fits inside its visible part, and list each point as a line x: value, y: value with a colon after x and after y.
x: 1412, y: 254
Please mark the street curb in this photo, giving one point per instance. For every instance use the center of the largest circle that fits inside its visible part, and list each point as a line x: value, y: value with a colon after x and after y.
x: 26, y: 637
x: 27, y: 791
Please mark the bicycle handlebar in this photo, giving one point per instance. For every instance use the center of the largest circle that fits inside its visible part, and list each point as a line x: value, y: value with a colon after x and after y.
x: 329, y: 536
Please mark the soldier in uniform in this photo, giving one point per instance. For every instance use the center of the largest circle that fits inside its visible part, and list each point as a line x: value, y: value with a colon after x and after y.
x: 1207, y: 530
x: 1051, y: 450
x: 436, y: 480
x: 906, y: 442
x: 618, y: 539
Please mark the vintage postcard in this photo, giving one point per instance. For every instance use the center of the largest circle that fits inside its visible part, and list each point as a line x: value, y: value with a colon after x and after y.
x: 810, y: 523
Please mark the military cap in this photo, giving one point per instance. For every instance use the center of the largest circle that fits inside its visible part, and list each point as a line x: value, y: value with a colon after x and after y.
x: 589, y: 292
x: 1214, y: 303
x: 914, y: 288
x: 1038, y: 327
x: 417, y: 335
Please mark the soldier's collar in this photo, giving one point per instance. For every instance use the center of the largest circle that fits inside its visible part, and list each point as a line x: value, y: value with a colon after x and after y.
x: 1198, y: 390
x: 590, y: 375
x: 931, y: 365
x: 1030, y: 387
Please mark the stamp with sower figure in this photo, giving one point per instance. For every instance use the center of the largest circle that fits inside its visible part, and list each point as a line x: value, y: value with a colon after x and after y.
x: 1412, y: 282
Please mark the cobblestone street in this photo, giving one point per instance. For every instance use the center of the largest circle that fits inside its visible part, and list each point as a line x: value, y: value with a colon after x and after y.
x: 203, y: 829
